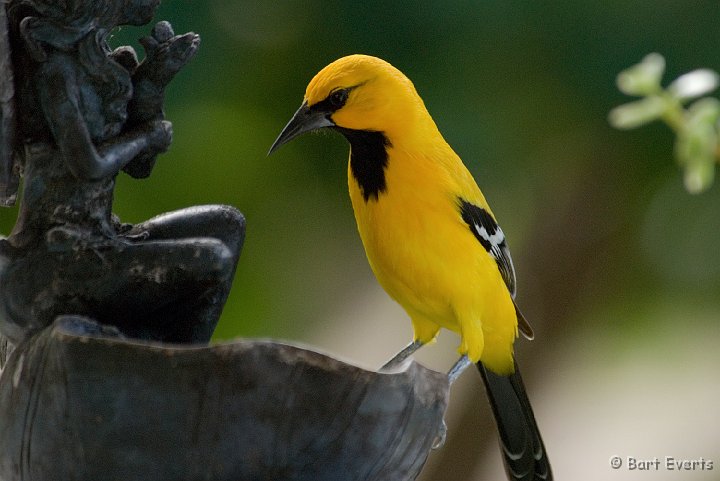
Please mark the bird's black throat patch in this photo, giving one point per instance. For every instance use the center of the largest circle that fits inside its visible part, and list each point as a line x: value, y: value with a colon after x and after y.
x: 368, y: 160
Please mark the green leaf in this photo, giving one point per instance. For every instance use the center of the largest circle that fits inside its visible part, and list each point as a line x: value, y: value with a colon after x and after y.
x: 705, y: 112
x: 643, y: 78
x: 696, y: 144
x: 634, y: 114
x: 698, y: 177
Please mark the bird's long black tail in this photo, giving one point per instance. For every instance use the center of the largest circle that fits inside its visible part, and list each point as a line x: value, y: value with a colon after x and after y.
x: 522, y: 446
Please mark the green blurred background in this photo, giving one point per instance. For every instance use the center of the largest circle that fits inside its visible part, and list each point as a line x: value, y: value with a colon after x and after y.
x: 619, y: 268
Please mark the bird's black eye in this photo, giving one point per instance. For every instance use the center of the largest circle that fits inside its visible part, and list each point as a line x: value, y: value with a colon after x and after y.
x: 338, y: 98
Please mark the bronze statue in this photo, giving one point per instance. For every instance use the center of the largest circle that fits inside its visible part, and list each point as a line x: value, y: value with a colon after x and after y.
x: 79, y: 115
x: 80, y: 401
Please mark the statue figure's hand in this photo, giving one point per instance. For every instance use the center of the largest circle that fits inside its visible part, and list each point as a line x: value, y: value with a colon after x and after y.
x: 166, y: 53
x: 158, y: 135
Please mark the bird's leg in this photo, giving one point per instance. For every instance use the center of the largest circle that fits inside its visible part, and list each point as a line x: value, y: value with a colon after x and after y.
x: 402, y: 355
x: 463, y: 363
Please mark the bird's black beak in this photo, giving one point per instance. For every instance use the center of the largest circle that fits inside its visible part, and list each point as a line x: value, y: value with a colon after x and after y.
x: 304, y: 120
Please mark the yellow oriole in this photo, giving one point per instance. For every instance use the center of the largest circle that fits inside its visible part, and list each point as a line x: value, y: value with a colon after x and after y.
x: 430, y: 236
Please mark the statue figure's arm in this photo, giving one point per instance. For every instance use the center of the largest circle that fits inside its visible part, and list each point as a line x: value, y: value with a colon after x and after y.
x: 60, y: 103
x: 165, y: 54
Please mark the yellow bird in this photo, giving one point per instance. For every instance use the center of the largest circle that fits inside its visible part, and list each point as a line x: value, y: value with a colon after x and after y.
x: 429, y: 235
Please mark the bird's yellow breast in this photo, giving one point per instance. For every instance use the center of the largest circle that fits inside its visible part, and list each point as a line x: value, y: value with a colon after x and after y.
x: 426, y: 257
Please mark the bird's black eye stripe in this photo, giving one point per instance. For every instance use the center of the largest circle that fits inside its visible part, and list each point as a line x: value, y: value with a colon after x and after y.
x: 334, y: 101
x: 338, y: 98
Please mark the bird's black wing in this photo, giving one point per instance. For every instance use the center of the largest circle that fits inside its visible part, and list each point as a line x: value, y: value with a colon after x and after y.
x: 486, y: 230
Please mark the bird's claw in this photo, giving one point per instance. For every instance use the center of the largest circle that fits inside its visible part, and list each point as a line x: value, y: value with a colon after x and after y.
x: 440, y: 437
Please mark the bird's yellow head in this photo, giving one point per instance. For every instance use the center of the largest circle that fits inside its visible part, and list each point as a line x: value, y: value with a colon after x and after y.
x: 357, y: 93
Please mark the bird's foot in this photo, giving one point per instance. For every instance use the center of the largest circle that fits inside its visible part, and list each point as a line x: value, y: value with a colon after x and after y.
x: 439, y: 440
